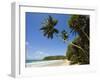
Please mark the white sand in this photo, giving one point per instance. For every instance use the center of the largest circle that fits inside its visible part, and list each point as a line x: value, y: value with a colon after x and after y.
x: 49, y: 63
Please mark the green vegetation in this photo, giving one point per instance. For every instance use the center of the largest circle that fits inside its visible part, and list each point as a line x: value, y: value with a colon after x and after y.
x: 54, y: 57
x: 78, y: 49
x: 76, y: 55
x: 48, y: 27
x: 79, y: 52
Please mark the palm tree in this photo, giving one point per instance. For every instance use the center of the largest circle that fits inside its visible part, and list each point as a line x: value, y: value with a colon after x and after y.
x: 64, y: 35
x: 78, y: 23
x: 48, y: 27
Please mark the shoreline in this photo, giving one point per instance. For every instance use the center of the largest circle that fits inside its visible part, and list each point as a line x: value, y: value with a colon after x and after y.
x: 64, y: 62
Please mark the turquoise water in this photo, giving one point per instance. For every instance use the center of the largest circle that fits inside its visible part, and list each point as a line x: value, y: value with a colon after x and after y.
x: 30, y: 61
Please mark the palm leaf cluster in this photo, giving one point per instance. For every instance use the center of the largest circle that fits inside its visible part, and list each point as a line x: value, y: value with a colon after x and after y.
x: 80, y: 24
x: 64, y: 35
x: 48, y: 27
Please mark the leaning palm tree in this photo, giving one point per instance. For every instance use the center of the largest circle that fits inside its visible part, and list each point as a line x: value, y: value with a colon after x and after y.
x: 48, y: 27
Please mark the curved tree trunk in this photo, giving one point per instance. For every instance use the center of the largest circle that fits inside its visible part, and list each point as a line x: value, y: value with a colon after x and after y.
x: 80, y: 49
x: 85, y: 35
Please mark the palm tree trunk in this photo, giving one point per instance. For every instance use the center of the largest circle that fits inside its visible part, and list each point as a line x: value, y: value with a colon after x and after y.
x: 80, y: 49
x: 85, y: 35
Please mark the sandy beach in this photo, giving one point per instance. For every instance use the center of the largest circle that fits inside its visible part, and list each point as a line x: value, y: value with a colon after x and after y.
x: 64, y: 62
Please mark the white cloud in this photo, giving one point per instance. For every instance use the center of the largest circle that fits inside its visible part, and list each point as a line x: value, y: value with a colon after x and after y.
x: 40, y: 54
x: 28, y: 44
x: 37, y: 55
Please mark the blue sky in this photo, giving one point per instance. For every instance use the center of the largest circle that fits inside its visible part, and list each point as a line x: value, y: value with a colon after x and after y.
x: 38, y: 46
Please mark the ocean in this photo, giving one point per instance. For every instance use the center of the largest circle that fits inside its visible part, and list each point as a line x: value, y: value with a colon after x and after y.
x: 30, y: 61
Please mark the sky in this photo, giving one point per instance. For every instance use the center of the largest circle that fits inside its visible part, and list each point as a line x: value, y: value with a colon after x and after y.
x: 38, y: 46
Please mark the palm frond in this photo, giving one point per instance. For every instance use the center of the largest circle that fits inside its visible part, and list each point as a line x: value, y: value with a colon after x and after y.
x: 48, y: 27
x: 56, y: 31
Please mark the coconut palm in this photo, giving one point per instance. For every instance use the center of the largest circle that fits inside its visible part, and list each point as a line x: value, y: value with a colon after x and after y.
x: 48, y: 27
x: 80, y: 24
x: 64, y: 35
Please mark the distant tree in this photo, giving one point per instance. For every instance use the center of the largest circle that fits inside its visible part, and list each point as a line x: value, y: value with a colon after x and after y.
x: 59, y: 57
